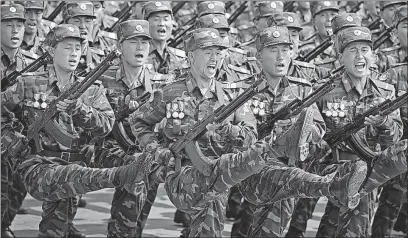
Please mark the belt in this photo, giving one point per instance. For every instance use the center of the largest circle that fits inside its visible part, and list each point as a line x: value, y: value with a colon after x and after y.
x: 67, y: 156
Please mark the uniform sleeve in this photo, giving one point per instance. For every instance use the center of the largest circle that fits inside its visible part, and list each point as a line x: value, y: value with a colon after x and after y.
x: 144, y: 120
x: 96, y: 114
x: 244, y: 127
x: 13, y: 97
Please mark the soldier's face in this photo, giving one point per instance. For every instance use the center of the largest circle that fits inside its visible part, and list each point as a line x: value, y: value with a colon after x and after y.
x: 33, y: 20
x: 388, y: 13
x: 98, y: 10
x: 402, y: 33
x: 357, y: 57
x: 12, y: 32
x: 205, y: 60
x: 322, y: 22
x: 304, y: 4
x: 85, y: 25
x: 262, y: 23
x: 67, y: 54
x: 135, y: 51
x: 161, y: 26
x: 294, y: 36
x: 276, y: 59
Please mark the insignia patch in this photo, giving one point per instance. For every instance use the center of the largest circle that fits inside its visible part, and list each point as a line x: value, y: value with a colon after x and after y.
x: 327, y: 3
x: 350, y: 19
x: 273, y: 5
x: 290, y: 19
x: 213, y: 35
x: 303, y: 152
x: 210, y: 6
x: 158, y: 4
x: 357, y: 32
x: 216, y: 20
x: 13, y: 9
x: 276, y: 34
x: 83, y: 7
x: 139, y: 28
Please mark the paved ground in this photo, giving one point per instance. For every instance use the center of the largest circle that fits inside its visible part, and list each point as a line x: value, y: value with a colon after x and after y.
x: 93, y: 219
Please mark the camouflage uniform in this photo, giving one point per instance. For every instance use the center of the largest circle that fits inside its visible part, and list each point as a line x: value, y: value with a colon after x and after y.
x: 342, y: 104
x: 126, y: 207
x: 47, y: 173
x: 40, y: 35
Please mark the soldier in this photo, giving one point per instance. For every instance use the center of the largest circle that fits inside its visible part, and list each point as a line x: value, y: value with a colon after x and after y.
x: 34, y: 30
x: 303, y: 10
x: 82, y: 15
x: 393, y: 193
x: 47, y: 173
x: 323, y: 12
x: 398, y: 52
x: 13, y: 58
x: 201, y: 194
x: 355, y: 93
x: 387, y: 10
x: 124, y: 82
x: 165, y: 60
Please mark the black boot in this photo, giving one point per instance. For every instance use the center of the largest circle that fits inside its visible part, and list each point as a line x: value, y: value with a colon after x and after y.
x: 181, y: 218
x: 74, y: 233
x: 81, y: 203
x: 6, y: 232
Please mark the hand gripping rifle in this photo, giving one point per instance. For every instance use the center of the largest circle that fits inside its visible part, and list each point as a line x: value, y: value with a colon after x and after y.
x: 11, y: 79
x: 72, y: 93
x: 316, y: 51
x: 119, y: 132
x: 188, y: 142
x: 348, y: 134
x: 56, y: 12
x: 296, y: 106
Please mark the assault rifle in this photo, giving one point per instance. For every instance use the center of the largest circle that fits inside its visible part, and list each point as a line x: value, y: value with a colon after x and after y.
x: 188, y: 142
x: 56, y: 12
x: 178, y: 6
x: 375, y: 24
x: 316, y: 51
x: 119, y: 132
x: 124, y: 14
x: 347, y: 132
x: 72, y: 93
x: 383, y: 37
x: 11, y: 79
x: 296, y: 106
x: 356, y: 7
x: 288, y: 6
x: 237, y: 12
x: 179, y: 38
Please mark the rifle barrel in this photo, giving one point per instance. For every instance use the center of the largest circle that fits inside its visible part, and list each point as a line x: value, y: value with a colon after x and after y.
x: 56, y: 12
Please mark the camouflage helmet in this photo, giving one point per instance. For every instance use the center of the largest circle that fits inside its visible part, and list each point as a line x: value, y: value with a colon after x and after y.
x: 274, y: 35
x: 202, y: 38
x: 345, y: 20
x: 133, y: 28
x: 76, y: 9
x: 353, y: 34
x: 210, y: 7
x: 61, y: 32
x: 156, y: 6
x: 287, y: 19
x: 267, y: 8
x: 319, y: 6
x: 13, y: 11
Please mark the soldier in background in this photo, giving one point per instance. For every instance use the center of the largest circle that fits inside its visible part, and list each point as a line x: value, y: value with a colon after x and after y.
x: 34, y: 33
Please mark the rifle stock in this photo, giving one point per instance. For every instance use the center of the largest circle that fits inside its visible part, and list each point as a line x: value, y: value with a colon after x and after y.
x: 219, y: 115
x: 73, y: 92
x: 11, y: 79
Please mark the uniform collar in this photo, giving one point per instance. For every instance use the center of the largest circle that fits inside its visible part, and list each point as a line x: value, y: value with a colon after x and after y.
x: 17, y: 56
x: 153, y: 49
x: 349, y: 86
x: 215, y: 87
x: 141, y: 78
x: 52, y: 78
x: 283, y: 83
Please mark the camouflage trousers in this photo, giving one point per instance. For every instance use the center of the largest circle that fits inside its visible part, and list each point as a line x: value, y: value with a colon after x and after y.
x: 234, y: 202
x: 392, y: 198
x: 303, y: 212
x: 13, y: 192
x: 204, y: 196
x: 242, y: 225
x: 402, y: 220
x: 57, y: 183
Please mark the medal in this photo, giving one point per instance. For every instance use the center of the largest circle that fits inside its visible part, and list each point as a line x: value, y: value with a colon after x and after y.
x: 43, y: 98
x: 256, y: 111
x: 181, y: 106
x: 341, y: 114
x: 175, y: 106
x: 328, y: 113
x: 168, y: 114
x: 262, y: 105
x: 262, y: 112
x: 175, y: 115
x: 181, y: 115
x: 336, y: 106
x: 168, y: 106
x: 334, y: 114
x: 36, y: 97
x: 342, y: 106
x: 256, y: 103
x: 329, y: 105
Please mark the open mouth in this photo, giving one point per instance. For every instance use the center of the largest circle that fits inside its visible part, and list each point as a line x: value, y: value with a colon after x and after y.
x: 139, y: 56
x: 161, y: 31
x: 15, y: 39
x: 280, y: 66
x: 83, y: 33
x: 72, y: 62
x: 31, y: 24
x: 211, y: 69
x: 360, y: 65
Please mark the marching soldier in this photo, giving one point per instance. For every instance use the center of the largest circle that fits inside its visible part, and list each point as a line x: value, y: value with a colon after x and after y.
x: 125, y: 82
x: 48, y: 174
x: 82, y: 15
x: 323, y: 12
x: 165, y: 60
x: 13, y: 58
x: 34, y: 30
x: 393, y: 193
x: 355, y: 93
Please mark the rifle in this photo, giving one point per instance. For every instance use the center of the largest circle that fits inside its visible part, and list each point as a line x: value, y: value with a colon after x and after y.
x: 356, y: 8
x: 383, y: 37
x: 178, y: 39
x: 125, y: 13
x: 288, y: 6
x: 119, y: 132
x: 296, y: 106
x: 11, y: 79
x: 228, y: 5
x: 347, y: 132
x: 188, y: 142
x: 73, y: 92
x: 56, y: 12
x: 375, y: 24
x: 189, y: 22
x: 178, y: 6
x: 237, y: 12
x: 316, y: 51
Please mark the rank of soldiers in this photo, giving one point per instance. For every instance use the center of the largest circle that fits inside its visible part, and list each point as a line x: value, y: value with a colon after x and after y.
x: 69, y: 67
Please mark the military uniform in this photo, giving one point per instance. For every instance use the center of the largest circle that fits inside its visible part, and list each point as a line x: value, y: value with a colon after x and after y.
x: 40, y: 34
x: 47, y: 173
